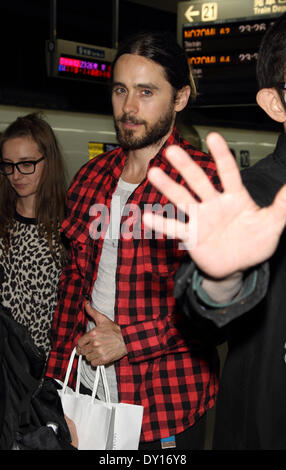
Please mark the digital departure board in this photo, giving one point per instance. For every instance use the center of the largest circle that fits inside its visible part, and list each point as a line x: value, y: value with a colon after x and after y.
x: 67, y: 59
x: 223, y: 58
x: 221, y: 39
x: 88, y: 69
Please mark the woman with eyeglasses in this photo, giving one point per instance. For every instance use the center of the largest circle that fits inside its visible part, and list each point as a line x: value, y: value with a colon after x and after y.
x: 32, y: 197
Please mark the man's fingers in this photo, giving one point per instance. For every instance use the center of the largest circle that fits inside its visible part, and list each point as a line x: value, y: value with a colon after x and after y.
x: 192, y: 173
x: 84, y: 342
x: 227, y: 168
x: 173, y: 191
x: 173, y: 228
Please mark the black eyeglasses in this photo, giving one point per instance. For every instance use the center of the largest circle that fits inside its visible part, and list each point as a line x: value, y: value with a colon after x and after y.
x: 25, y: 168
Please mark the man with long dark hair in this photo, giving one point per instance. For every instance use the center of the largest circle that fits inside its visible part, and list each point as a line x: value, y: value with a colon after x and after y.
x: 126, y: 274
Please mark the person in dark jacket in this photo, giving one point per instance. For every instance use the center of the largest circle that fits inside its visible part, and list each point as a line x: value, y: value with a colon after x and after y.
x: 232, y: 285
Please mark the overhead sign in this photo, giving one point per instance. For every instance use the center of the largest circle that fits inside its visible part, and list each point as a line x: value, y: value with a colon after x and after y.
x: 221, y: 40
x: 77, y: 61
x: 190, y: 14
x: 200, y: 10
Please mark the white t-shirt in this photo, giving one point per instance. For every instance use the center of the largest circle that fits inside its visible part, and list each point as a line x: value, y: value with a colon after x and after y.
x: 103, y: 294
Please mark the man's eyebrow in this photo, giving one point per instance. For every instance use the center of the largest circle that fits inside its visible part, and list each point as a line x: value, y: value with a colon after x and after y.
x: 118, y: 84
x: 151, y: 86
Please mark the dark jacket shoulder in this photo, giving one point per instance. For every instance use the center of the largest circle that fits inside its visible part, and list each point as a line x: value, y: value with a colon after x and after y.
x: 264, y: 179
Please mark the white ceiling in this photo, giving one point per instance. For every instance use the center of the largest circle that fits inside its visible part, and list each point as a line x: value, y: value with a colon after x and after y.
x: 167, y: 5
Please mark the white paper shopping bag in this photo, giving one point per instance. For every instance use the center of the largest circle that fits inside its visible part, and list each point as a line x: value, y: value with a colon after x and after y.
x: 126, y: 422
x: 92, y: 417
x: 125, y: 427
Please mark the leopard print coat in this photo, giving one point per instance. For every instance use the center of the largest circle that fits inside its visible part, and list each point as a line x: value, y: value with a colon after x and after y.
x: 29, y: 288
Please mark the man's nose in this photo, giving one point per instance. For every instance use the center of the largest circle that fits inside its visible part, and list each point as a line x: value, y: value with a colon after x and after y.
x: 130, y: 104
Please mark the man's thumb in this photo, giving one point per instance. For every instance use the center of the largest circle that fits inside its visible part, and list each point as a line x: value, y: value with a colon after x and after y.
x: 94, y: 314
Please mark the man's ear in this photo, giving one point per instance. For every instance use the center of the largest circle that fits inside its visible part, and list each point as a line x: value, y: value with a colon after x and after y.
x: 182, y: 98
x: 269, y: 100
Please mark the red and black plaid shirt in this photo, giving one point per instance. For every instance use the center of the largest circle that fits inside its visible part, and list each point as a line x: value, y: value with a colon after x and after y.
x: 159, y: 372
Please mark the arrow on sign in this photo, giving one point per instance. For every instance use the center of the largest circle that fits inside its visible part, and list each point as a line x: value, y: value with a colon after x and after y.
x: 190, y: 13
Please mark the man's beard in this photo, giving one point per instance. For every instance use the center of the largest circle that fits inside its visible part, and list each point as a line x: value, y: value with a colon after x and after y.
x: 152, y: 136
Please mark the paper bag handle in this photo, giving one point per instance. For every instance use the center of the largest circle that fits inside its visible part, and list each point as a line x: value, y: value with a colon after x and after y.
x: 69, y: 368
x: 99, y: 370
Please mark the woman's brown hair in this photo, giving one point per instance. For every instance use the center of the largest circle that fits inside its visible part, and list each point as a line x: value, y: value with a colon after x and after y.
x: 50, y: 201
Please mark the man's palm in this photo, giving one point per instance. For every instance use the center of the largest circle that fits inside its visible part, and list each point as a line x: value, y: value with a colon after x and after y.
x: 228, y: 231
